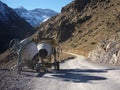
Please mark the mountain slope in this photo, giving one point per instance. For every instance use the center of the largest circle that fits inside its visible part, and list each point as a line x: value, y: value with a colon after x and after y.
x: 36, y: 16
x: 82, y: 24
x: 11, y: 26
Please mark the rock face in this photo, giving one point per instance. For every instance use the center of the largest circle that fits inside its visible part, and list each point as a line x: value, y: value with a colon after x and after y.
x: 12, y: 26
x: 36, y: 16
x: 108, y: 51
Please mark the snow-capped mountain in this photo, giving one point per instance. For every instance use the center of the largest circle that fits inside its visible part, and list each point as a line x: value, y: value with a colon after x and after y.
x: 36, y: 16
x: 12, y: 26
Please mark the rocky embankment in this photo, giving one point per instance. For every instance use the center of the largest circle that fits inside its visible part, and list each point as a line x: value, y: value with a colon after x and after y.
x: 108, y: 51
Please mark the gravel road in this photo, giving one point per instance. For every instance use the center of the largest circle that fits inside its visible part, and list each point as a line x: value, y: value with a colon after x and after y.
x: 75, y: 74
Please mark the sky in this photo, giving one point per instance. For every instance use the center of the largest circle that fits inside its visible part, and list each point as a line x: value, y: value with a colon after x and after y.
x: 55, y: 5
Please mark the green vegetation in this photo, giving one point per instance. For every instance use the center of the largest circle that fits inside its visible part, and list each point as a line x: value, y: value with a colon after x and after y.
x: 73, y: 45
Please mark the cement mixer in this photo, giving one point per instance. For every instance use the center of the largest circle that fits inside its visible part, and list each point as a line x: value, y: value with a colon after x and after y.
x: 34, y: 56
x: 46, y: 51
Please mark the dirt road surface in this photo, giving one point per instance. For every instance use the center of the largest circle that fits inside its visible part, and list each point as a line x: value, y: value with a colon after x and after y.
x: 74, y: 74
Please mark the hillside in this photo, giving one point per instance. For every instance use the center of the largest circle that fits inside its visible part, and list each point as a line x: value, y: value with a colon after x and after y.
x: 82, y: 24
x: 12, y: 26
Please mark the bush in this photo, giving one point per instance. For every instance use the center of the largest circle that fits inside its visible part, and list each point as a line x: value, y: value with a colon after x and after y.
x: 93, y: 43
x: 73, y: 45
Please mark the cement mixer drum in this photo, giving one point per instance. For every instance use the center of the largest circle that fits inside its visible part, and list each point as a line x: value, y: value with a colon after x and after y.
x: 45, y: 49
x: 29, y: 49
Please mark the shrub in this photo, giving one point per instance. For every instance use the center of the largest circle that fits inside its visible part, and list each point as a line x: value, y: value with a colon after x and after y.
x: 73, y: 45
x: 93, y: 43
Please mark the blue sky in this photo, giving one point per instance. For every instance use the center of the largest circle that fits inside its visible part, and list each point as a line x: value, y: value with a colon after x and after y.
x: 55, y: 5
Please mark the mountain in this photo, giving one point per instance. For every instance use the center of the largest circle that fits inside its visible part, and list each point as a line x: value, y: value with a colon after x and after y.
x: 36, y: 16
x: 82, y: 25
x: 12, y: 26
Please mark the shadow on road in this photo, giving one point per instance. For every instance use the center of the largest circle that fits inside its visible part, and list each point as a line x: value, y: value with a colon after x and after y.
x: 75, y: 75
x: 72, y: 75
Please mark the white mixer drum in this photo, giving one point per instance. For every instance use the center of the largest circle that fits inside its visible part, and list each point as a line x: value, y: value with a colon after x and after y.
x: 45, y: 49
x: 29, y: 49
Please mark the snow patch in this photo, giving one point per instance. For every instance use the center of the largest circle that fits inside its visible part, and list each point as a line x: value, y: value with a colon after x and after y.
x: 46, y: 19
